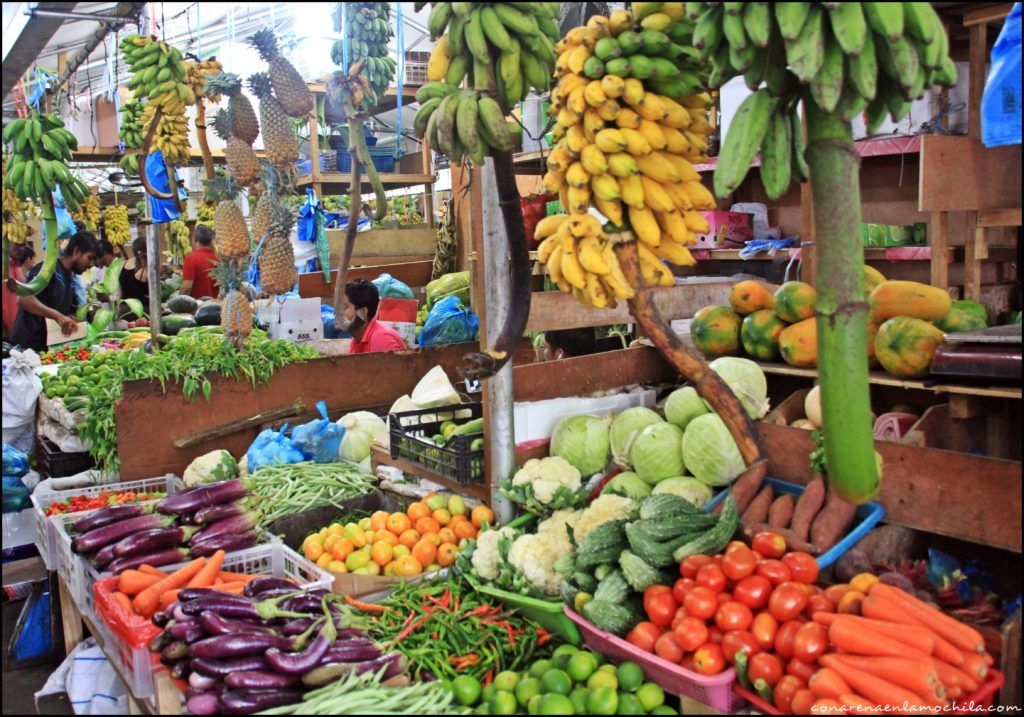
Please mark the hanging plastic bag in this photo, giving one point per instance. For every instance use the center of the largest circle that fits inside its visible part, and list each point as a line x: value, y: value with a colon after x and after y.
x: 272, y: 448
x: 391, y: 288
x: 319, y: 440
x: 163, y: 210
x: 1001, y: 101
x: 305, y: 224
x: 449, y: 322
x: 15, y: 462
x: 21, y: 389
x: 65, y: 224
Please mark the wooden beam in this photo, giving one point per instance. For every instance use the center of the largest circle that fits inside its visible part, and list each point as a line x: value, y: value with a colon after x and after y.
x: 938, y: 238
x: 416, y: 274
x: 960, y: 174
x: 1000, y: 217
x: 987, y: 15
x: 31, y: 36
x: 587, y: 374
x: 973, y: 254
x: 976, y: 78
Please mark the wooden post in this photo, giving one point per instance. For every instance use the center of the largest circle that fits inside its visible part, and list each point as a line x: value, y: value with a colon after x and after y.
x: 71, y: 618
x: 976, y: 79
x: 428, y: 189
x: 938, y: 239
x: 972, y: 259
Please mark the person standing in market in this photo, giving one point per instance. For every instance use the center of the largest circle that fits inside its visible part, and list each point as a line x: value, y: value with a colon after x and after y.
x: 21, y: 256
x: 58, y: 300
x: 134, y: 279
x: 195, y: 274
x: 360, y: 319
x: 569, y: 343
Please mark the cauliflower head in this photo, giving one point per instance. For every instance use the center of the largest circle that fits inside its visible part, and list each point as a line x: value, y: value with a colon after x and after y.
x: 535, y: 555
x: 606, y: 507
x: 486, y: 555
x: 558, y: 522
x: 545, y: 484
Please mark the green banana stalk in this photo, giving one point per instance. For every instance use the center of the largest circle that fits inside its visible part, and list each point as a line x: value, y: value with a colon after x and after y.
x: 41, y: 280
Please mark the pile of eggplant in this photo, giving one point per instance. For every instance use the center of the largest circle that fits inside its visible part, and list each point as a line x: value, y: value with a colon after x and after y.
x: 191, y: 524
x: 245, y: 653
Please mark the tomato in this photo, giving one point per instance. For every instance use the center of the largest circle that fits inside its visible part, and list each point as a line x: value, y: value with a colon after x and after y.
x: 836, y: 592
x: 784, y: 639
x: 690, y: 633
x: 724, y: 598
x: 667, y: 648
x: 733, y: 616
x: 709, y: 659
x: 738, y: 641
x: 764, y: 666
x: 787, y: 601
x: 652, y: 591
x: 690, y: 565
x: 700, y: 603
x: 678, y: 617
x: 681, y: 587
x: 644, y: 635
x: 739, y: 563
x: 800, y: 669
x: 712, y: 577
x: 818, y: 603
x: 764, y: 627
x: 734, y: 545
x: 687, y: 663
x: 802, y: 702
x: 785, y: 688
x: 810, y: 642
x: 715, y: 635
x: 662, y: 608
x: 770, y: 545
x: 753, y: 591
x: 774, y: 570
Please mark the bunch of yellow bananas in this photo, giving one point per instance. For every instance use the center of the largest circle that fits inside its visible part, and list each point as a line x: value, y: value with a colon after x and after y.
x: 115, y: 224
x: 196, y: 73
x: 88, y: 212
x: 178, y: 245
x: 205, y: 212
x: 16, y: 214
x: 627, y: 151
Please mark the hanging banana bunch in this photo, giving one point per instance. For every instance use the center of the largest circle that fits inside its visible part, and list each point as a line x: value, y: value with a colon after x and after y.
x: 178, y: 245
x: 17, y: 213
x: 368, y: 25
x: 89, y: 212
x: 196, y: 74
x: 115, y: 224
x: 132, y: 134
x: 205, y: 212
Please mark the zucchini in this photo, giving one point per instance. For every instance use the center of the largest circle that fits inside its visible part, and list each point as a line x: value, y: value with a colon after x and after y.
x: 713, y: 540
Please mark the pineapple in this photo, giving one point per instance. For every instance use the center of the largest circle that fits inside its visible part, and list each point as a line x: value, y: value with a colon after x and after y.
x: 231, y: 238
x: 247, y: 128
x: 236, y: 314
x: 241, y: 158
x: 261, y: 217
x: 277, y: 259
x: 278, y: 135
x: 289, y: 87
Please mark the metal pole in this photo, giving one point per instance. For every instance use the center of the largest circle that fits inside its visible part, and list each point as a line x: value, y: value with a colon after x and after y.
x: 153, y: 249
x: 497, y: 285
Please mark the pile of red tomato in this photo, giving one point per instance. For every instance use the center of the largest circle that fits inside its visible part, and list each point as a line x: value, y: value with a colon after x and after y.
x: 104, y: 499
x: 81, y: 353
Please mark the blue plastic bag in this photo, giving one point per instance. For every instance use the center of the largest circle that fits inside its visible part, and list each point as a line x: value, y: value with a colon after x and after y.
x: 163, y: 210
x: 1001, y: 101
x: 272, y: 448
x: 65, y: 224
x: 449, y: 322
x: 319, y: 440
x: 15, y: 462
x: 327, y: 315
x: 391, y: 288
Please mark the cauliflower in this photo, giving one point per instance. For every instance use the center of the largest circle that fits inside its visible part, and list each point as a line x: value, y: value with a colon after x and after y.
x: 556, y: 524
x: 547, y: 484
x: 606, y: 507
x: 487, y: 554
x: 535, y: 555
x: 211, y: 467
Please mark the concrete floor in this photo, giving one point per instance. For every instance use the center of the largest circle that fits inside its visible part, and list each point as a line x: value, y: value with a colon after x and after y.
x: 20, y: 685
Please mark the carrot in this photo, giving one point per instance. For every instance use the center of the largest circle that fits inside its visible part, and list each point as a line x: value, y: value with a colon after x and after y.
x: 858, y: 705
x: 915, y: 674
x: 218, y: 582
x: 974, y: 665
x: 863, y: 641
x: 827, y: 706
x: 802, y: 701
x: 954, y: 677
x: 235, y: 577
x: 168, y: 599
x: 882, y: 692
x: 955, y: 693
x: 989, y: 660
x: 879, y: 608
x: 234, y: 588
x: 961, y: 635
x: 205, y: 577
x: 827, y: 683
x: 132, y: 582
x: 148, y: 600
x: 915, y: 636
x: 125, y: 601
x: 150, y: 570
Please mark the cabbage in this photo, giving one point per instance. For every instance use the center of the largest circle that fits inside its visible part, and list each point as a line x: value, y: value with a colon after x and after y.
x: 687, y: 488
x: 362, y: 430
x: 627, y: 484
x: 656, y: 453
x: 747, y: 381
x: 683, y: 405
x: 583, y: 442
x: 709, y: 451
x: 625, y: 428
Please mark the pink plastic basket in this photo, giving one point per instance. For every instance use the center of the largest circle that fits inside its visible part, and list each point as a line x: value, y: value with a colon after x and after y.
x: 716, y: 691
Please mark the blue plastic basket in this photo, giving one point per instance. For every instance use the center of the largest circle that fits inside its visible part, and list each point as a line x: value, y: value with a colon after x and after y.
x: 868, y: 516
x: 383, y: 159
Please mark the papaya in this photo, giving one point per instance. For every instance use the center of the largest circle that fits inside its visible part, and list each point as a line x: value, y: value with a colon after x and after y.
x: 872, y: 333
x: 905, y: 346
x: 872, y: 278
x: 750, y: 296
x: 760, y: 335
x: 908, y: 298
x: 960, y: 319
x: 798, y: 344
x: 715, y: 331
x: 794, y: 301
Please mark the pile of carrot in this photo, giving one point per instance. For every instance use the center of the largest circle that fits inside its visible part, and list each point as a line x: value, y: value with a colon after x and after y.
x: 900, y: 652
x: 148, y: 589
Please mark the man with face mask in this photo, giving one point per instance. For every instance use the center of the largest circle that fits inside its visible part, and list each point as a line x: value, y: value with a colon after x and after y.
x: 360, y: 320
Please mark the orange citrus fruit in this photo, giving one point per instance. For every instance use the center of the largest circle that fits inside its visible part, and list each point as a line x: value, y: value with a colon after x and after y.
x: 433, y: 538
x: 313, y: 551
x: 381, y: 552
x: 465, y: 529
x: 424, y: 551
x: 418, y: 510
x: 398, y: 523
x: 482, y: 513
x: 447, y: 535
x: 408, y: 565
x: 442, y: 516
x: 342, y: 549
x: 387, y: 536
x: 446, y: 554
x: 324, y: 559
x: 379, y: 520
x: 401, y: 550
x: 332, y: 538
x: 408, y: 538
x: 427, y: 525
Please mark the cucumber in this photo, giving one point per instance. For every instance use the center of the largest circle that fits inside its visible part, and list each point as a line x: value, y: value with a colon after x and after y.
x: 714, y: 539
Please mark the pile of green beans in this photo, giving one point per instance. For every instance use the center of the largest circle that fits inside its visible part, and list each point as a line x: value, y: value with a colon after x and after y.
x: 291, y: 488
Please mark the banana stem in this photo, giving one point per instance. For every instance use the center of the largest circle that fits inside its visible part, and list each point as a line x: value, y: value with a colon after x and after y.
x: 51, y: 232
x: 204, y: 145
x: 841, y: 309
x: 350, y: 241
x: 359, y: 151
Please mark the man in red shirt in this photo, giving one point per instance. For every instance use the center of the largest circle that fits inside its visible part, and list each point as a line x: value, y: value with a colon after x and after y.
x: 360, y: 320
x: 195, y: 277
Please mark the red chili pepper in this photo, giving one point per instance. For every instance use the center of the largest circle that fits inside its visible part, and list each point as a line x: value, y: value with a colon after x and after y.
x: 543, y: 636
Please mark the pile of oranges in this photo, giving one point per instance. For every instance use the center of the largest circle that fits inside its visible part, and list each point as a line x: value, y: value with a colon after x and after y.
x: 426, y: 537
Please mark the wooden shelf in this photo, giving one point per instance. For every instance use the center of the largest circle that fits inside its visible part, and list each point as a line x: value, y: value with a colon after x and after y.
x: 109, y: 154
x: 337, y: 182
x: 531, y: 163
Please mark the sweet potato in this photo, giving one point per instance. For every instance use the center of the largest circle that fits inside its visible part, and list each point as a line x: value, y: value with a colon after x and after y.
x: 757, y: 511
x: 793, y: 542
x: 832, y: 522
x: 807, y: 506
x: 745, y: 488
x: 781, y: 512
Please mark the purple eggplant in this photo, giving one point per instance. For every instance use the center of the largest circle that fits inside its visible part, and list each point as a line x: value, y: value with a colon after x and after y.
x: 195, y: 499
x: 162, y: 557
x: 181, y: 669
x: 103, y: 557
x: 150, y: 541
x: 112, y: 533
x: 220, y: 647
x: 177, y: 650
x: 199, y: 681
x: 228, y: 526
x: 297, y: 663
x: 112, y: 514
x: 244, y: 702
x: 259, y: 680
x: 160, y: 641
x: 161, y: 618
x: 325, y: 674
x: 208, y: 516
x: 215, y: 624
x: 260, y: 585
x: 227, y: 542
x: 206, y: 703
x: 223, y: 668
x: 215, y: 602
x: 296, y: 626
x: 178, y: 614
x: 355, y: 650
x: 189, y: 632
x: 304, y: 603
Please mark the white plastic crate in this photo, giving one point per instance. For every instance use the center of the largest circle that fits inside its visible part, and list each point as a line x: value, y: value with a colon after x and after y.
x: 46, y: 536
x: 17, y: 528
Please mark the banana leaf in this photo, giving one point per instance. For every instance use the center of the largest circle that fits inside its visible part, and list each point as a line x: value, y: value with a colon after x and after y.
x: 111, y: 279
x: 136, y: 307
x: 102, y: 320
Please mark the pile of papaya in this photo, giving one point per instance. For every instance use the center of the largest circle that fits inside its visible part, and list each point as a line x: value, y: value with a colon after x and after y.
x: 906, y: 324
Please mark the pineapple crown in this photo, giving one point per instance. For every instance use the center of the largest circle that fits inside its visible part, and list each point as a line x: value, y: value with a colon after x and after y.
x: 228, y: 274
x: 221, y: 188
x: 260, y: 84
x: 265, y: 43
x: 281, y: 216
x: 224, y: 124
x: 227, y: 83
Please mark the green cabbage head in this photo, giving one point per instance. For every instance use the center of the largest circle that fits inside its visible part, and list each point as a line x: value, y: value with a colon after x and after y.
x: 709, y: 451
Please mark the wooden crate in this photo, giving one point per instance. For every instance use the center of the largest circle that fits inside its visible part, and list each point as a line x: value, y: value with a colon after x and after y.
x: 980, y: 433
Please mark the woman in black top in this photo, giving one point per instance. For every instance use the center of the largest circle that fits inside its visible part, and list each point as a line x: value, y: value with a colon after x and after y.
x: 134, y: 279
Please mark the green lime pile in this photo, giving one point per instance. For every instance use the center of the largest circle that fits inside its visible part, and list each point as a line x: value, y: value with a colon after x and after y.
x: 572, y: 682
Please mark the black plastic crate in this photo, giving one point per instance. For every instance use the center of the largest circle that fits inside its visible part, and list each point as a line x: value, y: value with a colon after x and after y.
x: 52, y: 462
x: 410, y: 440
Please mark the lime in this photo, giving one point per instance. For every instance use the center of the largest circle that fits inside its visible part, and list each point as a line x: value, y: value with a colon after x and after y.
x: 603, y: 701
x: 578, y: 697
x: 555, y: 704
x: 608, y: 667
x: 601, y: 659
x: 539, y: 668
x: 533, y: 706
x: 487, y: 693
x: 562, y: 654
x: 664, y: 710
x: 555, y: 681
x: 503, y: 703
x: 482, y: 709
x: 526, y: 689
x: 603, y: 678
x: 630, y: 675
x: 506, y: 680
x: 581, y: 666
x: 650, y: 696
x: 466, y: 690
x: 629, y: 704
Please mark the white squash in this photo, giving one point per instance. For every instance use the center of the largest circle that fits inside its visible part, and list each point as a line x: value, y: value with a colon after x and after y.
x: 812, y: 406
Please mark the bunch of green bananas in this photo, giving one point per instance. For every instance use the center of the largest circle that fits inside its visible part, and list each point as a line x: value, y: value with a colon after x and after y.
x: 205, y: 212
x: 845, y: 57
x: 40, y: 150
x: 115, y: 224
x: 131, y: 134
x: 178, y: 245
x: 368, y: 27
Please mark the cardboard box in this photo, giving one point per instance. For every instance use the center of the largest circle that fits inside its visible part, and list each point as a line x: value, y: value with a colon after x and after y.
x: 414, y: 240
x: 405, y: 329
x: 725, y: 230
x: 55, y: 337
x: 297, y: 320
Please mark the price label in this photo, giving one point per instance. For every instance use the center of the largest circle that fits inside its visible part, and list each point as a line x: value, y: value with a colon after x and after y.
x: 473, y: 385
